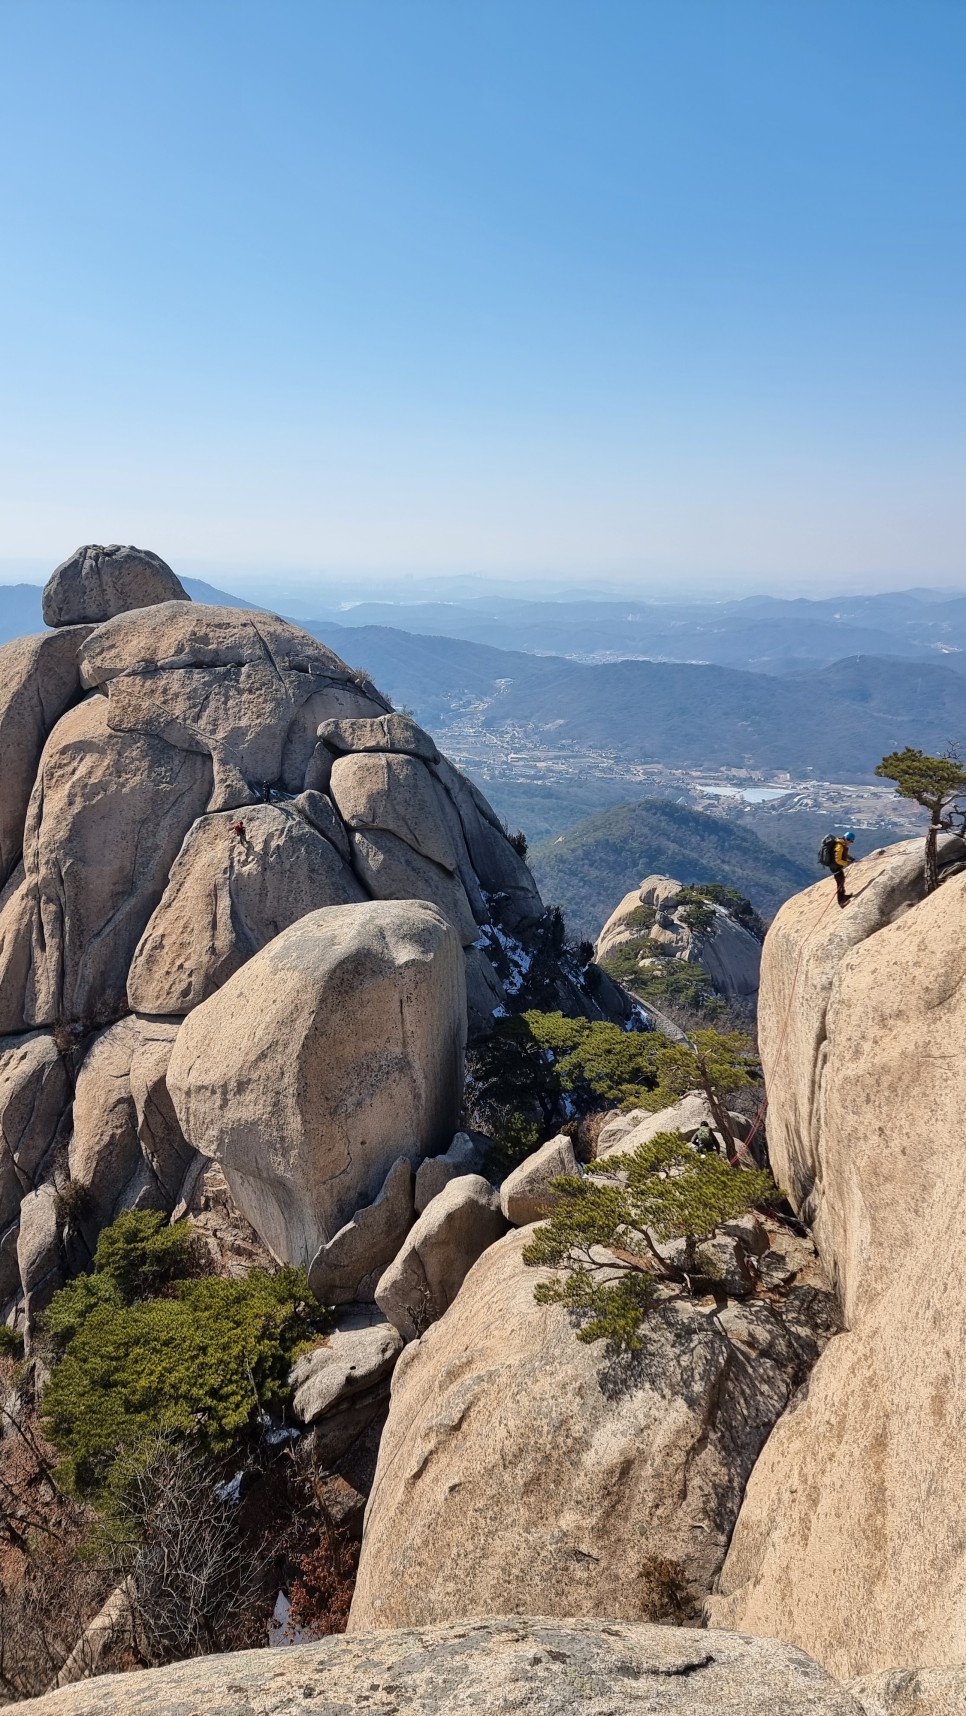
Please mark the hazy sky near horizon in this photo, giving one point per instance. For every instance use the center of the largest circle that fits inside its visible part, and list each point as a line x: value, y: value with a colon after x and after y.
x: 667, y: 292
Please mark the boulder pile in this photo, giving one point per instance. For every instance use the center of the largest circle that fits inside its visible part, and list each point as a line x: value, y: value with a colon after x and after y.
x: 246, y: 910
x: 726, y: 950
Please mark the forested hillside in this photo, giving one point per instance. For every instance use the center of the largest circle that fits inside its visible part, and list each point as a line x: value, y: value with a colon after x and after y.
x: 588, y: 869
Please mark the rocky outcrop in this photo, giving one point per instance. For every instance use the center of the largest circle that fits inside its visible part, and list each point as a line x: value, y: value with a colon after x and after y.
x: 39, y: 679
x: 34, y: 1101
x: 247, y: 691
x: 96, y: 583
x: 106, y: 821
x: 536, y: 1667
x: 727, y: 951
x: 594, y: 1487
x: 182, y: 785
x: 228, y: 895
x: 852, y: 1537
x: 342, y: 1043
x: 638, y: 1126
x: 527, y: 1193
x: 431, y: 1266
x: 126, y: 1150
x: 35, y: 1093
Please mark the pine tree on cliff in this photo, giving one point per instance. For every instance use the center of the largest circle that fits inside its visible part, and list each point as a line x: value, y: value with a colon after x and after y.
x: 934, y: 782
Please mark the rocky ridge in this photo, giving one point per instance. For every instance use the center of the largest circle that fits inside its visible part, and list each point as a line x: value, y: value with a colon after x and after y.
x: 186, y: 790
x: 851, y: 1540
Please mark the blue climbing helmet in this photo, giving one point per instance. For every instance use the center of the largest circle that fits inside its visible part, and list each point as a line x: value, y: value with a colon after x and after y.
x: 849, y: 834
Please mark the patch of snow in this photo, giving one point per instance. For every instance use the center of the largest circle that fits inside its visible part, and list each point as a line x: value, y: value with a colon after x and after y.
x: 281, y: 1631
x: 230, y: 1491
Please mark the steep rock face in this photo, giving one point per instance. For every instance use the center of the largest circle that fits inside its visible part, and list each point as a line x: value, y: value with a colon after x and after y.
x: 35, y: 1092
x: 858, y: 1028
x: 106, y: 820
x: 729, y: 953
x: 536, y: 1667
x: 95, y: 583
x: 521, y: 1471
x: 342, y: 1044
x: 852, y: 1537
x: 228, y: 895
x: 126, y: 1148
x: 39, y: 679
x: 349, y: 1265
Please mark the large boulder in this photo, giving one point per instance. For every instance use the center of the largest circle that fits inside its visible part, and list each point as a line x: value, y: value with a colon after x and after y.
x: 452, y: 1232
x: 467, y: 1154
x: 96, y: 583
x: 398, y: 795
x: 107, y: 1164
x: 527, y: 1193
x: 106, y: 820
x: 390, y: 870
x: 39, y: 679
x: 852, y: 1537
x: 35, y: 1094
x: 510, y: 890
x: 536, y: 1667
x: 520, y: 1470
x: 393, y: 732
x: 247, y: 690
x: 228, y: 894
x: 335, y: 1050
x: 40, y: 1257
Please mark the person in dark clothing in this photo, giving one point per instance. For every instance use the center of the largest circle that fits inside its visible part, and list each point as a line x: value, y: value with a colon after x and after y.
x: 842, y: 858
x: 704, y: 1140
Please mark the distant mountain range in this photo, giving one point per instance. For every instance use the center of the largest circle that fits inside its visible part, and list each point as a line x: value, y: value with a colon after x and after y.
x: 763, y: 634
x: 835, y: 722
x: 589, y: 869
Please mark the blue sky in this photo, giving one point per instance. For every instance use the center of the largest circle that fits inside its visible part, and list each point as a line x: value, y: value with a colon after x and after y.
x: 664, y: 293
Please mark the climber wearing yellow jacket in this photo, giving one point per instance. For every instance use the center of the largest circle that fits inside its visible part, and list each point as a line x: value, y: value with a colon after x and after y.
x: 841, y: 859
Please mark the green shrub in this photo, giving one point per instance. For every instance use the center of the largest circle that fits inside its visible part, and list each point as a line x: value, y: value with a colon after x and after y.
x: 663, y: 1190
x: 694, y: 911
x: 642, y: 918
x: 141, y: 1251
x: 198, y: 1363
x: 11, y: 1343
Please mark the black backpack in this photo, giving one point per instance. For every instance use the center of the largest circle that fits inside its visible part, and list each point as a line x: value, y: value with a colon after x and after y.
x: 826, y: 852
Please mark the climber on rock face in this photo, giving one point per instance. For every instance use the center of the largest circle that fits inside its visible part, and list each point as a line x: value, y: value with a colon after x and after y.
x: 704, y: 1140
x: 841, y: 858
